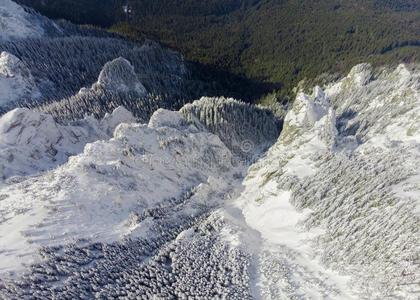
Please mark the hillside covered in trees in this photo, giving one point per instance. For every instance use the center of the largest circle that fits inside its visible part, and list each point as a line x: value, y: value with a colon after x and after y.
x: 280, y: 42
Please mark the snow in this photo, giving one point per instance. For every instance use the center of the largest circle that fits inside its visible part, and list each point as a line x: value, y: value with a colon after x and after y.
x: 319, y: 201
x: 267, y: 209
x: 16, y: 81
x: 95, y: 193
x: 16, y: 23
x: 330, y: 211
x: 51, y: 144
x: 119, y: 75
x: 166, y: 118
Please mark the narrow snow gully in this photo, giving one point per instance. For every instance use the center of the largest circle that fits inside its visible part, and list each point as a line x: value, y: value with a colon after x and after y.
x: 329, y: 212
x: 267, y: 226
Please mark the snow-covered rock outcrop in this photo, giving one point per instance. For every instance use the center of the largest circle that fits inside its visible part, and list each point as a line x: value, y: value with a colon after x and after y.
x: 17, y: 22
x: 119, y: 75
x: 336, y: 199
x: 117, y: 85
x: 16, y: 81
x: 32, y: 142
x: 330, y: 211
x: 101, y: 194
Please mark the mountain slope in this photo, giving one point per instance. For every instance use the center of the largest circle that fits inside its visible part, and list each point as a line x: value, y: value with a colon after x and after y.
x: 19, y: 23
x: 281, y: 42
x: 165, y: 210
x: 345, y: 194
x: 32, y: 142
x: 214, y: 199
x: 61, y: 64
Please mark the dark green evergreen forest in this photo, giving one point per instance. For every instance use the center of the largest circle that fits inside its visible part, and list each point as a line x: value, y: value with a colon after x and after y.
x: 276, y: 43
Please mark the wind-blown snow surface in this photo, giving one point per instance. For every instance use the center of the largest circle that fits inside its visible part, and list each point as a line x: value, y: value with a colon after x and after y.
x: 163, y: 210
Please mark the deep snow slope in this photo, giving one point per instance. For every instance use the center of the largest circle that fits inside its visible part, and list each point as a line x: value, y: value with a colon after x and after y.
x: 336, y: 200
x: 176, y: 209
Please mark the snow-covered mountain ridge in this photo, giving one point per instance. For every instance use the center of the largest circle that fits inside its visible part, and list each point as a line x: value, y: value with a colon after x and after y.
x: 104, y: 194
x: 107, y: 194
x: 350, y: 169
x: 330, y: 211
x: 17, y: 22
x: 32, y: 142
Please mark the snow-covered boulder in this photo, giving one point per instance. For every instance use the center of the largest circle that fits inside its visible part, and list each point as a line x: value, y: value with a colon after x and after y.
x: 167, y: 118
x: 16, y: 81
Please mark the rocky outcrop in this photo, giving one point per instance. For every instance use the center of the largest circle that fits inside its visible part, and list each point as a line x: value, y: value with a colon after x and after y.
x: 16, y: 82
x: 32, y: 142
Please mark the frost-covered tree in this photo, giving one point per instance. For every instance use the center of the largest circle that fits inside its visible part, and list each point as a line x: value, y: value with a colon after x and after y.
x: 244, y: 128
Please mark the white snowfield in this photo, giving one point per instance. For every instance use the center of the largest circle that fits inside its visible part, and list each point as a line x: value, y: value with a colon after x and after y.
x: 331, y: 211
